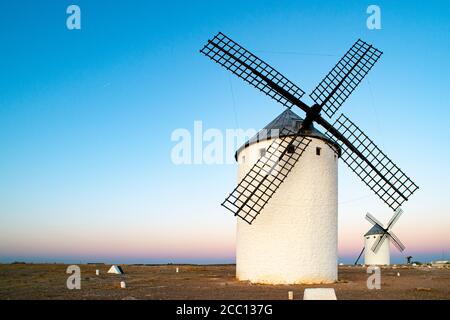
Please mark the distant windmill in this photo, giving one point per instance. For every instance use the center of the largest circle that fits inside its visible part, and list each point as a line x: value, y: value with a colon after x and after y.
x: 377, y: 240
x: 295, y: 240
x: 408, y: 259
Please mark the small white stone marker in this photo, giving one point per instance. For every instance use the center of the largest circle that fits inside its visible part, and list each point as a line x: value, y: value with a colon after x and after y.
x: 319, y: 294
x: 177, y: 270
x: 97, y: 272
x: 398, y: 274
x: 290, y: 295
x: 123, y: 285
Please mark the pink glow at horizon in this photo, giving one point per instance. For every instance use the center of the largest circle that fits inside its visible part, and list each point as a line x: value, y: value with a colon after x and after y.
x: 427, y: 238
x: 211, y: 237
x: 194, y: 244
x: 127, y: 245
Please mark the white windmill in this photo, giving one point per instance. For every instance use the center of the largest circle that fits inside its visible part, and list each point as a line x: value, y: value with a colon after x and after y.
x: 377, y: 241
x: 288, y: 178
x: 295, y: 236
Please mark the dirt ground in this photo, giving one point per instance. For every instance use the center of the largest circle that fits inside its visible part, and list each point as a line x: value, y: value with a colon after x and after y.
x: 48, y: 281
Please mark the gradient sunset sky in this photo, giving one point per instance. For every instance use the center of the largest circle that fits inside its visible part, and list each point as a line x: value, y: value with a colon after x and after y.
x: 86, y: 119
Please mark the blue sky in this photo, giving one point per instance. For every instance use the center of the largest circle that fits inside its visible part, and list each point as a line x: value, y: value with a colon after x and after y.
x: 86, y: 118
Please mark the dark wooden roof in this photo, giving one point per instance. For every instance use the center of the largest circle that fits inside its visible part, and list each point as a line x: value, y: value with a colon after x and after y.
x: 376, y: 229
x: 286, y: 120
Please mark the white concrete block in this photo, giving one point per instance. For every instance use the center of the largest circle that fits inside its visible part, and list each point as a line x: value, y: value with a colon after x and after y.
x: 319, y: 294
x: 123, y: 285
x: 291, y: 295
x: 97, y: 272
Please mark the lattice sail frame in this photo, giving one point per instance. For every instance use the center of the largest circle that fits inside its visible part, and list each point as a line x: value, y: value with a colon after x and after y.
x: 373, y: 220
x: 340, y: 82
x: 394, y: 218
x: 399, y: 188
x: 330, y: 93
x: 262, y: 181
x: 377, y: 245
x: 249, y: 67
x: 394, y: 239
x: 388, y: 233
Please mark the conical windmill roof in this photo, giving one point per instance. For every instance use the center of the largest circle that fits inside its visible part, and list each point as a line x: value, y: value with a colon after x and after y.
x: 376, y: 229
x: 286, y: 120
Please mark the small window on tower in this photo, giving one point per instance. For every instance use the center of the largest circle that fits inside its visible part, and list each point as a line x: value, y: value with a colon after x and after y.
x: 318, y: 151
x: 262, y: 152
x: 290, y: 148
x: 374, y: 237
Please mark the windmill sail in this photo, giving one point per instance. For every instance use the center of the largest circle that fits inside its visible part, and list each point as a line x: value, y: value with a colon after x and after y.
x: 340, y: 82
x: 377, y: 245
x: 373, y: 220
x: 372, y: 166
x: 366, y: 160
x: 267, y: 174
x: 386, y: 232
x: 394, y: 218
x: 396, y: 241
x: 253, y: 70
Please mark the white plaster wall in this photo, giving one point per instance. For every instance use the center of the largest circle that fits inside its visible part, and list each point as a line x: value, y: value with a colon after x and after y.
x: 382, y: 257
x: 294, y: 239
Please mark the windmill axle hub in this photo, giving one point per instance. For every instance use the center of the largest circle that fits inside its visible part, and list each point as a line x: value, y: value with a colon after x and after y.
x: 311, y: 116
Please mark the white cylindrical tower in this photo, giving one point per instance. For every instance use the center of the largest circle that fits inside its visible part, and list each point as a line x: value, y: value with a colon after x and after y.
x: 382, y: 256
x: 294, y: 238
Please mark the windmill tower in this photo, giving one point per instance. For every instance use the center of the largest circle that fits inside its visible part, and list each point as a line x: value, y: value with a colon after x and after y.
x: 292, y: 219
x: 289, y: 182
x: 378, y: 239
x: 383, y: 254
